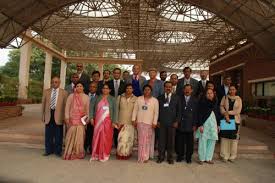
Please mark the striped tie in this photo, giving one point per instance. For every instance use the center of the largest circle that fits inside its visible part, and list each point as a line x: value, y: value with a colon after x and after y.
x: 53, y: 99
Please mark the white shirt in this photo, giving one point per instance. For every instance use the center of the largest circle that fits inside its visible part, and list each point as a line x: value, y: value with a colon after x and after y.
x: 57, y: 91
x: 79, y: 75
x: 72, y: 85
x: 187, y: 98
x: 169, y: 97
x: 186, y: 81
x: 91, y: 95
x: 226, y: 89
x: 203, y: 82
x: 174, y: 89
x: 118, y: 82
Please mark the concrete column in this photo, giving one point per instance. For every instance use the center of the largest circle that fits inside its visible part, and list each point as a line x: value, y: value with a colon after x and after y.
x: 24, y: 68
x: 48, y: 70
x: 63, y: 69
x: 100, y: 69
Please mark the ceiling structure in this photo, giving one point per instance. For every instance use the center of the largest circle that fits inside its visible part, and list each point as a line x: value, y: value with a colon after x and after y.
x: 167, y: 34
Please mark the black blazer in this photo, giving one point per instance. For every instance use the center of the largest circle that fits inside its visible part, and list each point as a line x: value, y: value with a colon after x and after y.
x: 220, y: 93
x: 121, y: 89
x: 171, y: 114
x: 205, y: 108
x: 180, y: 86
x: 189, y: 114
x: 200, y: 88
x: 85, y: 80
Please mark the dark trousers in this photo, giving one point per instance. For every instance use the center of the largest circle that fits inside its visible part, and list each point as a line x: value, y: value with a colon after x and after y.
x: 89, y: 137
x: 185, y: 145
x: 53, y: 136
x: 115, y: 136
x: 166, y: 142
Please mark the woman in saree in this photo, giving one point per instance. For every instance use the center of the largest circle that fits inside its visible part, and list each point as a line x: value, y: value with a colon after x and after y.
x: 104, y: 116
x: 125, y: 106
x: 77, y: 106
x: 145, y: 117
x: 208, y: 122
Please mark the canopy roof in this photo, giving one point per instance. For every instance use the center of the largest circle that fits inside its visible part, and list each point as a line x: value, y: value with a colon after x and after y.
x: 164, y: 33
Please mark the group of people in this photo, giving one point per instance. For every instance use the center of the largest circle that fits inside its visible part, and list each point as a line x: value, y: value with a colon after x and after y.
x: 154, y: 114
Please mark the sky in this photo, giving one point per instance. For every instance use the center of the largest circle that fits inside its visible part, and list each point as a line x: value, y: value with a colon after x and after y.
x: 4, y: 56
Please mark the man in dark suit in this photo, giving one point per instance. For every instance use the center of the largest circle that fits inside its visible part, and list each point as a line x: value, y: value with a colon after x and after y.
x: 70, y: 87
x: 169, y: 117
x: 223, y: 89
x: 96, y: 78
x: 106, y: 79
x: 187, y: 79
x: 83, y: 77
x: 117, y: 85
x: 202, y: 83
x: 187, y: 124
x: 90, y: 129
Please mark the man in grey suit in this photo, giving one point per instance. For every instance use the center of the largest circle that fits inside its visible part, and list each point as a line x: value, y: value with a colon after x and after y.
x: 70, y: 87
x: 136, y: 80
x: 187, y: 125
x: 169, y: 117
x: 187, y: 79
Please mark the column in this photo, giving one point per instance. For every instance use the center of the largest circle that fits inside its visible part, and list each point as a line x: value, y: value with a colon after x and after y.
x: 63, y: 69
x: 24, y: 68
x: 100, y: 69
x: 48, y: 70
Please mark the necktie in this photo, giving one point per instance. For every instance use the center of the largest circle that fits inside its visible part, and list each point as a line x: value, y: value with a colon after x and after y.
x: 116, y: 88
x: 186, y: 100
x: 167, y: 99
x: 203, y: 83
x: 52, y: 106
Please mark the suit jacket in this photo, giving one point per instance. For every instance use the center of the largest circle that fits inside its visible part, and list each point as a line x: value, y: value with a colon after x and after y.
x: 59, y: 112
x: 85, y: 79
x: 69, y: 88
x: 201, y: 89
x: 171, y: 114
x: 193, y: 82
x: 158, y: 88
x: 121, y: 88
x: 142, y: 79
x: 220, y: 93
x: 92, y: 105
x: 189, y: 114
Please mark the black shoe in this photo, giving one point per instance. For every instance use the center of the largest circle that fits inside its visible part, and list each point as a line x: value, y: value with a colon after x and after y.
x: 188, y: 161
x: 179, y: 159
x: 170, y: 162
x: 159, y: 160
x: 47, y: 154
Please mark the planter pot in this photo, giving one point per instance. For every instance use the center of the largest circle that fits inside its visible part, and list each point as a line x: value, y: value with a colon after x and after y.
x: 271, y: 118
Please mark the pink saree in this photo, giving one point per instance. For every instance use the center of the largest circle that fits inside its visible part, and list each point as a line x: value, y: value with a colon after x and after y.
x: 103, y: 132
x: 74, y: 142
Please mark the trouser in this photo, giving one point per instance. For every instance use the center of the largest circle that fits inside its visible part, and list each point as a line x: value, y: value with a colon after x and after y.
x: 185, y: 145
x: 166, y: 142
x: 89, y: 137
x: 206, y: 149
x: 53, y: 136
x: 228, y: 149
x: 115, y: 136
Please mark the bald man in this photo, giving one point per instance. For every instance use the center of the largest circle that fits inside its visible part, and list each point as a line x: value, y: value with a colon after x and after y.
x: 136, y: 80
x: 53, y: 110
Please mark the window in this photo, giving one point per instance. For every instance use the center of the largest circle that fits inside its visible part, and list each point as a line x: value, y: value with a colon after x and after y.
x: 266, y: 89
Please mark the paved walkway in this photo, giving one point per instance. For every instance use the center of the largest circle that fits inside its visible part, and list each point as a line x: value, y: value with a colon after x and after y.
x: 21, y: 149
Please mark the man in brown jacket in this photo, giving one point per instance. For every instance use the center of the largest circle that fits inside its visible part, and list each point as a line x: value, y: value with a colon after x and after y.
x: 53, y: 110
